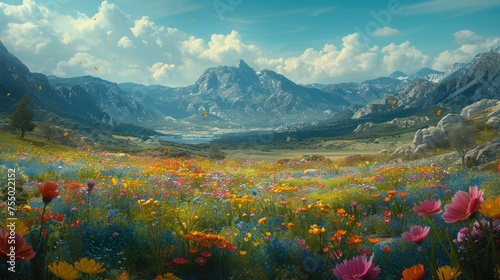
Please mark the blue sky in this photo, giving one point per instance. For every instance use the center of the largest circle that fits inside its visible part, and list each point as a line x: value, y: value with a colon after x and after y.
x: 171, y: 42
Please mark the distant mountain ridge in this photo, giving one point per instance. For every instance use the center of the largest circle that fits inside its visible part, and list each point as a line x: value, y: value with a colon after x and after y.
x: 238, y: 98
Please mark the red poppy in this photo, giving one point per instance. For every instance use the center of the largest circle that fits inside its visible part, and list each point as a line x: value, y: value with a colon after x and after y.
x: 59, y: 218
x: 75, y: 223
x: 231, y: 247
x: 48, y: 191
x: 22, y: 251
x: 180, y: 260
x: 201, y: 261
x: 206, y: 254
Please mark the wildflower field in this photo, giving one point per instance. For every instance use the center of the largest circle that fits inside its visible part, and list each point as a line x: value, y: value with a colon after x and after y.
x: 91, y: 214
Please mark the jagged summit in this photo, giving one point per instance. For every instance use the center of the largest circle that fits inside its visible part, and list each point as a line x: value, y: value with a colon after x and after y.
x: 243, y: 65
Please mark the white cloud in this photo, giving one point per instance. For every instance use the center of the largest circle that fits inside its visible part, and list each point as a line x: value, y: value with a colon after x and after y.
x: 126, y: 49
x: 470, y: 45
x: 125, y: 42
x: 26, y: 37
x: 467, y: 37
x: 385, y: 32
x: 462, y: 6
x: 329, y: 64
x: 404, y: 57
x: 160, y: 71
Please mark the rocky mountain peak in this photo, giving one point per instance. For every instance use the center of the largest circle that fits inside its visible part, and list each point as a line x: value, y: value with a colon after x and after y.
x: 242, y: 65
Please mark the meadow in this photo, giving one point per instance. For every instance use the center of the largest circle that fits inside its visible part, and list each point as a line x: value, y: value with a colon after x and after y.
x: 93, y: 214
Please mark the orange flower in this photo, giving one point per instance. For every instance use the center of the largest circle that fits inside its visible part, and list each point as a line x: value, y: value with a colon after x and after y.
x: 341, y: 232
x: 387, y: 250
x: 392, y: 192
x: 387, y: 199
x: 48, y: 191
x: 193, y: 250
x: 373, y: 240
x: 415, y: 272
x: 403, y: 194
x: 354, y: 239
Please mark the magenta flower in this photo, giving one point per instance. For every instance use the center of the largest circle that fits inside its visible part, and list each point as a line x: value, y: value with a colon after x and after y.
x: 463, y: 205
x: 357, y: 268
x: 427, y: 208
x: 416, y: 234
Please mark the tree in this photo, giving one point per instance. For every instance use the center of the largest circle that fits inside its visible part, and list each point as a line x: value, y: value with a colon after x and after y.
x: 462, y: 139
x: 22, y: 118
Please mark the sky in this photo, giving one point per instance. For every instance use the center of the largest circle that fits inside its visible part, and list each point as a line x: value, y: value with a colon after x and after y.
x: 171, y: 42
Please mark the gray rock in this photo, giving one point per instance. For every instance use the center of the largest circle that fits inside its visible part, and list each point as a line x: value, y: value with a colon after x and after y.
x: 428, y: 138
x: 483, y: 154
x: 494, y: 121
x: 477, y: 107
x: 450, y: 121
x: 420, y: 148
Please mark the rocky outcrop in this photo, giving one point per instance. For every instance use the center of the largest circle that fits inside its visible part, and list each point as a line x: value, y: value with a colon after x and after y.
x: 450, y: 121
x: 428, y: 138
x: 479, y: 106
x: 487, y: 110
x: 397, y: 123
x: 483, y: 154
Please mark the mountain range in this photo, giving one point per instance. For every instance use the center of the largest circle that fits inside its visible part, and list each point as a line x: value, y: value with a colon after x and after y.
x: 237, y: 99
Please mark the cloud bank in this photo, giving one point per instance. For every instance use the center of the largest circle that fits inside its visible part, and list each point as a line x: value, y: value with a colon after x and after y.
x: 114, y: 46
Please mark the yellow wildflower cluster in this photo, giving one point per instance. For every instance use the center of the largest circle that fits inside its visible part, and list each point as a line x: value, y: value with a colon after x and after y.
x: 205, y: 239
x: 316, y: 230
x: 241, y: 200
x: 150, y: 201
x: 323, y: 207
x: 283, y: 188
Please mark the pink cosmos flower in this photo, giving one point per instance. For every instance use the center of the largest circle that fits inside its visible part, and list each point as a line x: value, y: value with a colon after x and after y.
x: 427, y: 208
x: 463, y: 205
x: 357, y: 268
x: 416, y: 234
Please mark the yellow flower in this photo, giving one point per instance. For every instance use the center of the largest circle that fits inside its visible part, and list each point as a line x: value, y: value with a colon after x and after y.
x: 89, y: 266
x: 256, y: 243
x: 243, y: 253
x: 448, y: 273
x: 26, y: 208
x: 19, y: 227
x: 261, y: 221
x: 490, y: 207
x: 64, y: 270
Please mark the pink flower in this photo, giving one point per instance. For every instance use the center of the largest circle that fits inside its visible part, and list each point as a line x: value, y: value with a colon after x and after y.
x: 463, y: 205
x: 427, y: 208
x: 357, y: 268
x: 416, y: 234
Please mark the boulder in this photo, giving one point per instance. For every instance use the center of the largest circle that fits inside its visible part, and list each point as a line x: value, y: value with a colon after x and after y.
x: 450, y: 121
x: 483, y: 154
x: 477, y: 107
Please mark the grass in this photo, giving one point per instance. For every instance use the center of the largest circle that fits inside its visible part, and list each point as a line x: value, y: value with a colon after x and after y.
x: 272, y: 208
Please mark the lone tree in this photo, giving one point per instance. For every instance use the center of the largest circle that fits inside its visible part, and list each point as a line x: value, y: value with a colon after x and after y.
x: 22, y: 118
x: 462, y: 139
